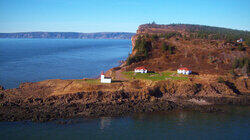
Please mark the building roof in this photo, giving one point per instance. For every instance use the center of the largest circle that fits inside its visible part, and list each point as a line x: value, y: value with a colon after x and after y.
x: 140, y: 68
x: 184, y: 68
x: 102, y: 73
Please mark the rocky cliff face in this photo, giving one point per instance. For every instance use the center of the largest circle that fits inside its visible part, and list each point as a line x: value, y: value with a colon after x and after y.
x: 200, y: 48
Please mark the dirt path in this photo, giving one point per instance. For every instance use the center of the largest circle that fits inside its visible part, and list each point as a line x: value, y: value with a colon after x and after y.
x: 120, y: 76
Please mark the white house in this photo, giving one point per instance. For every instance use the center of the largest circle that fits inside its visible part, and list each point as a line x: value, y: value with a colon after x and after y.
x: 184, y: 71
x: 240, y: 40
x: 105, y: 79
x: 141, y: 70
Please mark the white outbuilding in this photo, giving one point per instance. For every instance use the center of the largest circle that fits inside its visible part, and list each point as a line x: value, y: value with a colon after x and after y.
x: 184, y: 70
x: 105, y: 79
x: 141, y: 70
x: 240, y: 40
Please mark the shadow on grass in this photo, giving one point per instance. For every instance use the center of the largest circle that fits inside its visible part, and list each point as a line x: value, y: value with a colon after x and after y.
x: 117, y: 81
x: 233, y: 87
x: 151, y: 72
x: 194, y: 73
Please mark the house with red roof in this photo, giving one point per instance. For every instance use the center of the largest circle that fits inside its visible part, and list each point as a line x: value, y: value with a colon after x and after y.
x: 240, y: 40
x: 141, y: 70
x: 184, y: 70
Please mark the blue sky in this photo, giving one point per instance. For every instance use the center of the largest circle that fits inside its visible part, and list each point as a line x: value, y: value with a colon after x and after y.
x: 119, y: 15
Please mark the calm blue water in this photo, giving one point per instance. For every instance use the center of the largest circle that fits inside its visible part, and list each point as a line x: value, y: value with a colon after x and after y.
x: 173, y: 125
x: 30, y: 60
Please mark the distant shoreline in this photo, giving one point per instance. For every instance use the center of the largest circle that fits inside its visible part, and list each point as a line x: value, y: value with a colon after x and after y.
x: 72, y: 38
x: 68, y: 35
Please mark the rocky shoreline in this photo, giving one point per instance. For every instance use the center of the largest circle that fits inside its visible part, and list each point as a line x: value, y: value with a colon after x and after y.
x: 83, y: 98
x: 71, y: 106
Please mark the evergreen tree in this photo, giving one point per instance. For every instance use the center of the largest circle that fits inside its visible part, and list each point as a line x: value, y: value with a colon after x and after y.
x: 154, y: 37
x: 170, y: 48
x: 236, y: 63
x: 164, y: 47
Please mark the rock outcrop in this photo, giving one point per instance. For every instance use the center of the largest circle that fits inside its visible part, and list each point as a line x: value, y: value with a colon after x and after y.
x: 54, y: 99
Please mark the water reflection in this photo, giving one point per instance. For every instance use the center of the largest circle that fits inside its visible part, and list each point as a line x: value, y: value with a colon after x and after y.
x: 178, y: 116
x: 105, y: 122
x: 168, y: 125
x: 182, y: 116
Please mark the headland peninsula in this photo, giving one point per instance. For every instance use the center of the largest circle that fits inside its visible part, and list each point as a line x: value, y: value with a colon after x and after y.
x: 217, y: 57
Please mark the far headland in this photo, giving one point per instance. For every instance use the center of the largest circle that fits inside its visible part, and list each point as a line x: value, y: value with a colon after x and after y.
x: 69, y: 35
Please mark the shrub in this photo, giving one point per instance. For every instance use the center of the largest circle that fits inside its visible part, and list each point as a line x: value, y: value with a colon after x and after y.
x: 241, y: 48
x: 212, y: 59
x: 247, y: 63
x: 146, y: 54
x: 164, y: 47
x: 167, y: 47
x: 171, y: 34
x: 154, y: 37
x: 134, y: 59
x: 220, y: 80
x: 232, y: 72
x: 143, y: 47
x: 242, y: 63
x: 248, y: 41
x: 236, y: 63
x: 171, y: 49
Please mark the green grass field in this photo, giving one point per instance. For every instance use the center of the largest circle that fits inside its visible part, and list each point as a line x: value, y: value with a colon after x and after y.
x: 155, y: 76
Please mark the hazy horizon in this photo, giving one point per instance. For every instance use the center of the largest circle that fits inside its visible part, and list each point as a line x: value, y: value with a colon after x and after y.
x: 65, y: 32
x: 112, y: 31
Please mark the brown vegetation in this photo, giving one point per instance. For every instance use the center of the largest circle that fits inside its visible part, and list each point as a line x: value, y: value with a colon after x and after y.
x: 186, y: 45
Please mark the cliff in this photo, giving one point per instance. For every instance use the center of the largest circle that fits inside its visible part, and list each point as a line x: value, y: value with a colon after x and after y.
x: 203, y: 49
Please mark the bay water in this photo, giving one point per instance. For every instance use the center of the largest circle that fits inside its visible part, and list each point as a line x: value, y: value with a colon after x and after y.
x: 30, y: 60
x: 174, y: 125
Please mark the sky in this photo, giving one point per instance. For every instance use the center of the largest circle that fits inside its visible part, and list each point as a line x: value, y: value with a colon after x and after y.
x: 119, y: 15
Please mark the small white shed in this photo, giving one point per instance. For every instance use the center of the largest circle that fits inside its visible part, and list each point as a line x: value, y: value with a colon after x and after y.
x: 240, y: 40
x: 104, y: 79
